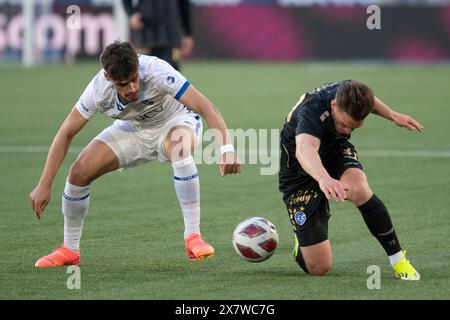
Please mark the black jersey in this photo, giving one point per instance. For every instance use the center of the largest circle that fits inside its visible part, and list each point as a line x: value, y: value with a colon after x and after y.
x: 311, y: 115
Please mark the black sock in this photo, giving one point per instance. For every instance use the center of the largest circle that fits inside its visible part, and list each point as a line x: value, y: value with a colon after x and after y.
x: 299, y: 259
x: 379, y: 223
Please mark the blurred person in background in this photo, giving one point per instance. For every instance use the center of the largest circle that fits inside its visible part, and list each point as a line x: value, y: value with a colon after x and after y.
x: 161, y: 28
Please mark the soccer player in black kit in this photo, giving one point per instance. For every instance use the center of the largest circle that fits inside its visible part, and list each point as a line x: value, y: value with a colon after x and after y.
x: 319, y: 163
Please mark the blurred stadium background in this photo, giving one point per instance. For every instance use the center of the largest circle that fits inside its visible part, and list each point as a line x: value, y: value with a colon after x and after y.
x: 253, y: 59
x: 282, y: 30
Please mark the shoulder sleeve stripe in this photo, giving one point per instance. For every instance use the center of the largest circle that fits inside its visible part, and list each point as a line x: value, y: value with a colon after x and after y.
x: 182, y: 90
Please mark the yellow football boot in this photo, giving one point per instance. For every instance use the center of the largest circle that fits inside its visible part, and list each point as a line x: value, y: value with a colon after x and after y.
x: 404, y: 270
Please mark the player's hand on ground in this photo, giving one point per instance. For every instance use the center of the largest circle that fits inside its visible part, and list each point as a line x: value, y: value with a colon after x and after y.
x: 39, y: 199
x: 230, y: 164
x: 407, y: 122
x: 333, y: 189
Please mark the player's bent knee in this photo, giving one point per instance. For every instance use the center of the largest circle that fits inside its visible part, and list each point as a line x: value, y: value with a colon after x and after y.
x: 359, y: 193
x: 358, y: 189
x: 79, y: 174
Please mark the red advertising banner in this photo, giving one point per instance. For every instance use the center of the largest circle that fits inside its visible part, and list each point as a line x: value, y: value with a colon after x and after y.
x: 272, y: 32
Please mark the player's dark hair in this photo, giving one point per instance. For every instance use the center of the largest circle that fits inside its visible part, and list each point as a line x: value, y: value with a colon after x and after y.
x: 120, y: 61
x: 355, y: 98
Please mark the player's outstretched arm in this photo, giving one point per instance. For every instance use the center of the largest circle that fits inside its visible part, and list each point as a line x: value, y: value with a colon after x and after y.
x: 401, y: 120
x: 41, y: 194
x: 307, y: 153
x: 198, y: 103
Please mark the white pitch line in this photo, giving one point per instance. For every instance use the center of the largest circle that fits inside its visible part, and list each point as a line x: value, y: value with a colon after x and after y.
x: 33, y: 149
x: 253, y: 152
x: 405, y: 153
x: 385, y: 153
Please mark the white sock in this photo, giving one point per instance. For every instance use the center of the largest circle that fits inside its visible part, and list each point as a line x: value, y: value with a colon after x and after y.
x: 396, y: 258
x: 187, y: 188
x: 75, y: 204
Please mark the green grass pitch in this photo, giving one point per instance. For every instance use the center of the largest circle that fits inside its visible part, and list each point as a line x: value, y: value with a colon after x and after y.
x: 132, y: 245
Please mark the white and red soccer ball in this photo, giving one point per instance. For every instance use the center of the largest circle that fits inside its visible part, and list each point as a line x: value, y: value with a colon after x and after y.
x: 255, y: 239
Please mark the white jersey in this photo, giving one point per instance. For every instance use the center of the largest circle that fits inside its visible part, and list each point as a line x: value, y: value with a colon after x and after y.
x: 160, y: 88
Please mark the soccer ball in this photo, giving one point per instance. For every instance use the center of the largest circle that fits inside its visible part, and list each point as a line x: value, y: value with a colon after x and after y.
x: 255, y: 239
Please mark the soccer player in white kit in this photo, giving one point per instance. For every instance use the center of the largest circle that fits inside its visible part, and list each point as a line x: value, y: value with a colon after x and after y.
x: 158, y: 117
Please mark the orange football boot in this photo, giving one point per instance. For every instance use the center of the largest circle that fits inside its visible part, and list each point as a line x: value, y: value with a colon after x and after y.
x: 62, y: 256
x: 196, y: 248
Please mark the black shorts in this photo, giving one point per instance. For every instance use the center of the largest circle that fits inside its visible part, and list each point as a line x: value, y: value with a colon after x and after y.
x: 308, y: 207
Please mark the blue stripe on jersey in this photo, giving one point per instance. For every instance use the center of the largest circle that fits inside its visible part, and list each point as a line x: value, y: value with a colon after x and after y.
x: 74, y: 199
x: 182, y: 90
x: 197, y: 126
x: 195, y: 175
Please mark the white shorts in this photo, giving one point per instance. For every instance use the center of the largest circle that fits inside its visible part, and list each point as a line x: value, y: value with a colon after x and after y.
x: 136, y: 144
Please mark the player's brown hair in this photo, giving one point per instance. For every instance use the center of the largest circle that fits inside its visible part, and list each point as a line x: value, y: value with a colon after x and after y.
x: 120, y: 61
x: 355, y: 98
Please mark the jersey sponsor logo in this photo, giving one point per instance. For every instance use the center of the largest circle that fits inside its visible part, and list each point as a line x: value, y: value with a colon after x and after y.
x: 300, y: 218
x: 302, y: 198
x: 106, y: 105
x: 147, y: 102
x: 149, y: 114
